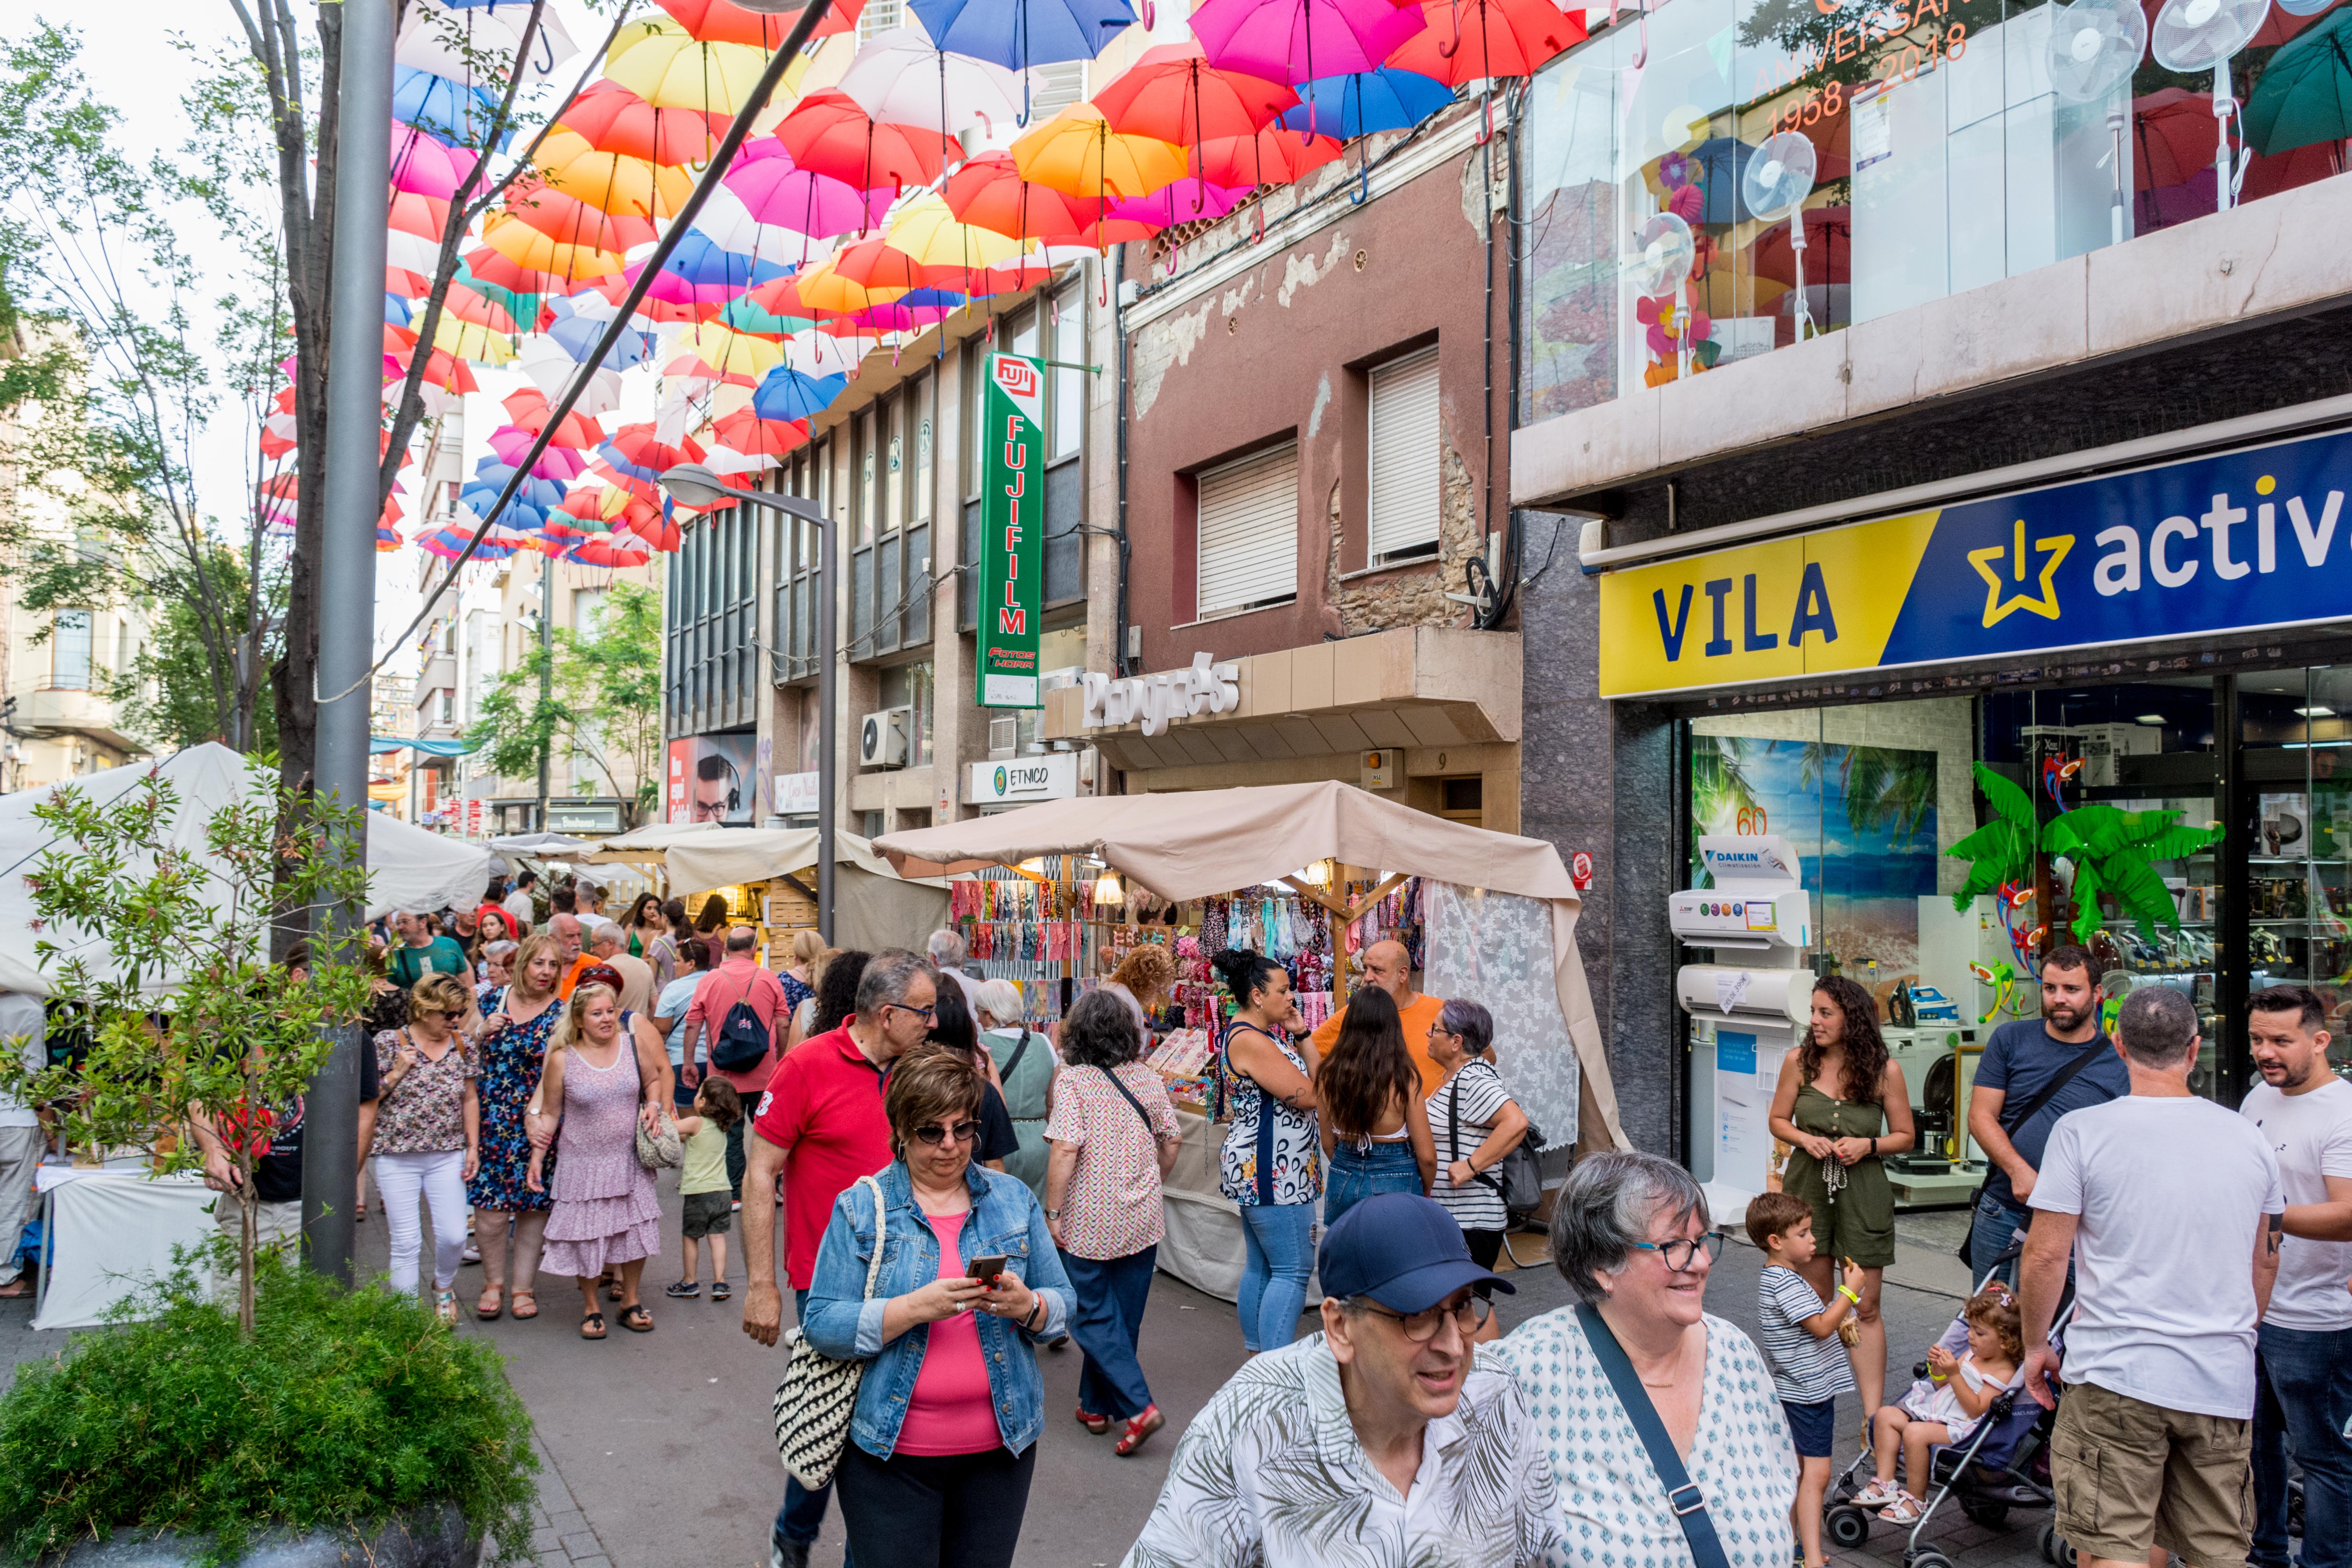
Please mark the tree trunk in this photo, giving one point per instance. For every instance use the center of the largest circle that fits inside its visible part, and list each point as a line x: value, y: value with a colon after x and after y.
x: 247, y: 1215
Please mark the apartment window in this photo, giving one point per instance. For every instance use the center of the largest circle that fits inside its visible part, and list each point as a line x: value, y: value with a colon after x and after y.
x: 889, y: 577
x: 587, y: 611
x: 1248, y: 532
x: 1406, y: 444
x: 445, y: 635
x: 909, y: 686
x: 880, y: 17
x: 712, y: 616
x: 797, y: 579
x: 70, y: 640
x: 445, y: 706
x: 1068, y: 386
x: 1059, y: 85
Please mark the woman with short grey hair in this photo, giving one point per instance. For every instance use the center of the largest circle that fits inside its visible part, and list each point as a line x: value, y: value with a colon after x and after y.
x: 1630, y: 1234
x: 1024, y: 1065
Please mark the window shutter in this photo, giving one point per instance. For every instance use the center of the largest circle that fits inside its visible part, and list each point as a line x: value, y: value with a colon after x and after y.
x: 1405, y: 447
x: 1053, y: 86
x: 1249, y: 531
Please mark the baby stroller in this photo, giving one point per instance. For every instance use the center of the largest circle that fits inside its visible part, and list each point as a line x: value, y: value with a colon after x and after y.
x: 2003, y: 1463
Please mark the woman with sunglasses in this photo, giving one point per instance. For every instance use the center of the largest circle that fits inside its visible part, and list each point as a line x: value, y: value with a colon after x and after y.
x: 943, y: 1440
x: 510, y: 1219
x: 428, y: 1133
x: 1630, y: 1234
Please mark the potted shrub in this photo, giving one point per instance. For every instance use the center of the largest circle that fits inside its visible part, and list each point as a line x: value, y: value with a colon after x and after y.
x: 347, y: 1424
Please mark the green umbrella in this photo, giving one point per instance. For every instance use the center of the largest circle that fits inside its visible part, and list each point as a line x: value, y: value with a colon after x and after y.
x: 2305, y: 95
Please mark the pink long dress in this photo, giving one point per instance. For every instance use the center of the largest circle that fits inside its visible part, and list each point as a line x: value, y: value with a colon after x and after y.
x: 606, y: 1209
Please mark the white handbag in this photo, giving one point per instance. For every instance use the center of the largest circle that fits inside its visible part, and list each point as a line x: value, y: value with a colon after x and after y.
x: 819, y: 1394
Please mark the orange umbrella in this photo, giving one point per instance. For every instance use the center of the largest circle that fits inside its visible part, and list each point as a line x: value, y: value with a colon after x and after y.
x: 611, y: 119
x: 989, y: 193
x: 612, y: 183
x: 1077, y: 153
x: 527, y: 247
x: 559, y: 217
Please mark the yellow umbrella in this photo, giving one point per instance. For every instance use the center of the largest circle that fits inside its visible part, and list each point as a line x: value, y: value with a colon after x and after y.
x: 927, y: 231
x: 471, y: 340
x: 730, y: 352
x: 1077, y: 153
x: 667, y: 67
x: 826, y: 289
x: 612, y: 181
x: 526, y: 248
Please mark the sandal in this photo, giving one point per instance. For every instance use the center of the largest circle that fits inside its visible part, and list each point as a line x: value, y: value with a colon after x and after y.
x: 1904, y: 1510
x: 636, y: 1319
x: 1098, y: 1425
x: 1139, y: 1428
x: 612, y: 1289
x: 682, y: 1289
x: 491, y: 1304
x: 445, y: 1307
x: 1877, y: 1494
x: 523, y: 1299
x: 719, y: 1291
x: 591, y: 1327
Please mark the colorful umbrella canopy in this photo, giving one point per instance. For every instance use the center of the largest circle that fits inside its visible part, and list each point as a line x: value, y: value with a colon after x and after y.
x: 1467, y: 40
x: 828, y: 133
x: 564, y: 217
x: 909, y: 314
x: 774, y: 189
x: 753, y: 319
x: 1023, y: 33
x: 411, y: 213
x: 1187, y: 199
x: 561, y: 463
x: 526, y: 247
x: 698, y: 272
x: 613, y: 182
x: 927, y: 229
x: 479, y: 45
x: 615, y: 551
x: 1298, y: 40
x: 789, y: 393
x: 723, y: 22
x: 819, y: 354
x: 529, y: 409
x: 2305, y: 96
x: 667, y: 67
x: 1275, y: 156
x: 427, y: 166
x: 721, y: 354
x: 446, y: 110
x: 1077, y: 153
x: 470, y: 340
x: 1363, y: 102
x: 877, y: 264
x: 576, y: 336
x: 901, y: 77
x: 745, y: 432
x: 1173, y: 94
x: 611, y: 119
x: 828, y: 292
x: 989, y: 193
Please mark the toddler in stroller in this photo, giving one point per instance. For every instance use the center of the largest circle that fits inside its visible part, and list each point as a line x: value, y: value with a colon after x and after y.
x: 1943, y: 1409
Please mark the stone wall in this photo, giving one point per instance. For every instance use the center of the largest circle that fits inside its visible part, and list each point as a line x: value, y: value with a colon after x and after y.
x: 1412, y: 595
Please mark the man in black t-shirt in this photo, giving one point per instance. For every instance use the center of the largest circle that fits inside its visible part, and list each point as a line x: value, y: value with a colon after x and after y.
x: 276, y: 1175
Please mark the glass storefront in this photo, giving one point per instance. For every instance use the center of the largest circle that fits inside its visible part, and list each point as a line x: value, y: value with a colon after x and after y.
x: 1944, y: 159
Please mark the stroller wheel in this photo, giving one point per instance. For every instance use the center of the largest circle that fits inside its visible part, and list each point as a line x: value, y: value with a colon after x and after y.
x: 1931, y: 1559
x: 1848, y: 1526
x: 1986, y: 1511
x: 2045, y: 1541
x: 2056, y: 1547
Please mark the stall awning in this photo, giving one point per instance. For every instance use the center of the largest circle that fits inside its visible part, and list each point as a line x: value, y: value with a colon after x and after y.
x: 422, y: 748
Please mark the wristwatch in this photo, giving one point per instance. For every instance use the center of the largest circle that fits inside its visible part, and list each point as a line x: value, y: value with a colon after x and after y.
x: 1053, y: 1213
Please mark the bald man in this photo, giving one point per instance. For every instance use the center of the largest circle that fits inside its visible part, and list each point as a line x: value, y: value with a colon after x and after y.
x: 1388, y: 965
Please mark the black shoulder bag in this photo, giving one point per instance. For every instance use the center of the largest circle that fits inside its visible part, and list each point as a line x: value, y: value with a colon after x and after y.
x: 2012, y: 1125
x: 1127, y: 1095
x: 1682, y: 1493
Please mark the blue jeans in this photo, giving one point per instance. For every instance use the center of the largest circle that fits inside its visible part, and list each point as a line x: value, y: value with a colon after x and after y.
x: 2303, y: 1396
x: 1990, y: 1229
x: 1281, y: 1255
x: 802, y: 1514
x: 1107, y: 1324
x: 1388, y: 1168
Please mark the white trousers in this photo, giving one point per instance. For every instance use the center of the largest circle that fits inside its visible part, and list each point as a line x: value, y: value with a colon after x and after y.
x: 439, y: 1178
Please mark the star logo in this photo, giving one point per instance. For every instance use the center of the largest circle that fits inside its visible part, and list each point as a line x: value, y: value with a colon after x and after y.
x: 2045, y: 603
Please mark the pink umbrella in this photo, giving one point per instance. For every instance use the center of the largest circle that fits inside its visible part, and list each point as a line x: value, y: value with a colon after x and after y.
x: 426, y: 167
x: 777, y: 191
x: 559, y: 463
x: 1187, y: 199
x: 1299, y: 40
x: 893, y: 317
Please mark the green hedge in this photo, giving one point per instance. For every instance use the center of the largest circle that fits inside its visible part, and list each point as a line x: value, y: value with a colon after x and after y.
x: 344, y: 1408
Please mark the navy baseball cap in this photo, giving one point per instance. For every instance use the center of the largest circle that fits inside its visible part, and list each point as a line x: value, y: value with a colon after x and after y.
x: 1401, y: 1250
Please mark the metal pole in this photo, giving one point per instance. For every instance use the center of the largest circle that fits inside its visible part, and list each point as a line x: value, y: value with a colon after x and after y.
x: 347, y: 577
x: 546, y: 678
x: 828, y: 679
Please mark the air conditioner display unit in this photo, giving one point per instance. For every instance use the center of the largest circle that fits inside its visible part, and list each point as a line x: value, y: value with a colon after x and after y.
x: 882, y: 738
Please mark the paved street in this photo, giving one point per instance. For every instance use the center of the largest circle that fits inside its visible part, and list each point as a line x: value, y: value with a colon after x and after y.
x: 657, y: 1446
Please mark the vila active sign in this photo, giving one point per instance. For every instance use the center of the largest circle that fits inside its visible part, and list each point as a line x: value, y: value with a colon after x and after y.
x: 1011, y: 529
x: 2257, y: 538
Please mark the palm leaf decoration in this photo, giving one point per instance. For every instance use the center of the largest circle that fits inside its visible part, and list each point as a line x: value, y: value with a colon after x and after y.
x: 2114, y: 853
x: 2003, y: 849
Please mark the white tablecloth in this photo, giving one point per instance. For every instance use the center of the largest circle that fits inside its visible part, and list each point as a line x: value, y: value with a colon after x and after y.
x: 110, y: 1233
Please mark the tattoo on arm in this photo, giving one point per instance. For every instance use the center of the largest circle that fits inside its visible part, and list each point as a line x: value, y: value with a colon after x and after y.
x: 2277, y: 1229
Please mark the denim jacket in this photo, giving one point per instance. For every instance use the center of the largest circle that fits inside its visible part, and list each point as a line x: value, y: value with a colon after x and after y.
x: 839, y: 1320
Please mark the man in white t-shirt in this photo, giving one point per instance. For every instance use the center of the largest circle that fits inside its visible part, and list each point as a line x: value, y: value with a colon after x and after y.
x: 2304, y: 1375
x: 2170, y: 1207
x: 22, y: 1141
x: 518, y: 904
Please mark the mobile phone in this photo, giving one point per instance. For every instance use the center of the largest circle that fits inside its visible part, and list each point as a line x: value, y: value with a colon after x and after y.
x: 986, y: 1269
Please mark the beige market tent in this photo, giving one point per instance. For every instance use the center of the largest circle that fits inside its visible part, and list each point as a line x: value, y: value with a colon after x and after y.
x: 1195, y: 843
x: 874, y: 906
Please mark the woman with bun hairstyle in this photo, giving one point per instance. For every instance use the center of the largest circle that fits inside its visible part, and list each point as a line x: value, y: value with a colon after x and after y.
x: 1272, y: 1162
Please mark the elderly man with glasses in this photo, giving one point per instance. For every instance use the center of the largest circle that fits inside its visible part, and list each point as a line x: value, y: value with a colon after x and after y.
x: 1386, y: 1440
x: 819, y: 1127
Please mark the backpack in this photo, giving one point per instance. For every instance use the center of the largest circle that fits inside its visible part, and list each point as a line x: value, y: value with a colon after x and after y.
x: 742, y: 1039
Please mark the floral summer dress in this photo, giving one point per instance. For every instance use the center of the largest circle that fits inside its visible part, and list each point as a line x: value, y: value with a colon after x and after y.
x: 512, y: 1058
x: 1273, y: 1155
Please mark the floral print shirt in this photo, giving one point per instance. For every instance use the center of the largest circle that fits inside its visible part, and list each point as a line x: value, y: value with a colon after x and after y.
x: 424, y: 1113
x: 1112, y: 1208
x: 1613, y: 1508
x: 1294, y: 1143
x: 1272, y: 1474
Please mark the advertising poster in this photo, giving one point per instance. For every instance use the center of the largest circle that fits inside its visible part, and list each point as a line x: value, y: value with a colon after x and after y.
x: 1012, y: 528
x: 711, y: 779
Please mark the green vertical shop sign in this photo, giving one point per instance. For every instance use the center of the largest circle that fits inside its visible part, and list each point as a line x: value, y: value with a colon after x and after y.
x: 1012, y: 528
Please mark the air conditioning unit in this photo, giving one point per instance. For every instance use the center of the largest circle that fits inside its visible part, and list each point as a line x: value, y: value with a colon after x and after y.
x: 882, y: 738
x: 1004, y: 739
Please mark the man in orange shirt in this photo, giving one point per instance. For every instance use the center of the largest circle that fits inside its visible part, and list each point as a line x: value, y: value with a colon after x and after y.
x: 568, y: 940
x: 1388, y: 965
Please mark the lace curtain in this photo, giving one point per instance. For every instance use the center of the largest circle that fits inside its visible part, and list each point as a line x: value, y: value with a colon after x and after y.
x: 1496, y: 949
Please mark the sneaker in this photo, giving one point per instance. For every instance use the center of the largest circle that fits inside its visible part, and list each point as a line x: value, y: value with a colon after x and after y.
x: 782, y: 1553
x: 1877, y: 1494
x: 719, y: 1291
x: 445, y: 1307
x: 735, y: 1206
x: 1904, y: 1510
x: 682, y: 1289
x: 472, y: 1254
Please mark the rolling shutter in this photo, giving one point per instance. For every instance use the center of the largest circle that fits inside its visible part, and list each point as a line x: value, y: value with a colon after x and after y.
x: 1405, y: 444
x: 1249, y: 531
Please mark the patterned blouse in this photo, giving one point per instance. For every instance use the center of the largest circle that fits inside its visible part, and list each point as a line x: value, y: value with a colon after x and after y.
x: 424, y: 1113
x: 1613, y: 1507
x: 1294, y: 1142
x: 1112, y: 1209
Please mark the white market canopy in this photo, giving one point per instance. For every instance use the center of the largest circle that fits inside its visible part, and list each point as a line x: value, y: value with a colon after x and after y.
x: 1201, y: 843
x: 408, y: 868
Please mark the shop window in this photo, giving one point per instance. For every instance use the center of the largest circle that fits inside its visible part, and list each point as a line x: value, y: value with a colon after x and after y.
x: 2297, y: 730
x: 1248, y: 532
x: 1463, y: 800
x: 70, y: 644
x: 1406, y: 445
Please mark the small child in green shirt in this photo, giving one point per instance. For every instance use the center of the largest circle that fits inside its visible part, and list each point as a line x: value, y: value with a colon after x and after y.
x: 703, y: 1185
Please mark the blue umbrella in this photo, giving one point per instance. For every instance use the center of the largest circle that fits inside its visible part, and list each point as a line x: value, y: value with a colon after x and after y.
x: 576, y: 335
x: 395, y: 310
x: 1361, y: 103
x: 789, y: 393
x: 701, y: 261
x: 1018, y: 34
x: 450, y: 112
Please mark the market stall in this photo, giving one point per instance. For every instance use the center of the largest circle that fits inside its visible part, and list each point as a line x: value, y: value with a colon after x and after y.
x: 1310, y: 874
x: 767, y: 877
x: 108, y: 1232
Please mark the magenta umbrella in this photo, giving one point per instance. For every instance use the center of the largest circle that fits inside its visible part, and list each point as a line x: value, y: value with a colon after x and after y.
x: 1299, y: 40
x: 1189, y: 199
x: 558, y: 463
x: 775, y: 190
x: 424, y: 167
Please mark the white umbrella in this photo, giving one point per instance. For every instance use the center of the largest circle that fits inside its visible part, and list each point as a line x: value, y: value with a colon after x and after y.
x: 900, y: 76
x: 477, y: 46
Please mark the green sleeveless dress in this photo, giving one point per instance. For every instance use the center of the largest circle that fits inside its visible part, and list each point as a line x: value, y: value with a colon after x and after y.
x: 1858, y: 1220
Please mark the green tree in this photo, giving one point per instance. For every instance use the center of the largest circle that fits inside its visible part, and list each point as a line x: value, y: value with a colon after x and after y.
x: 166, y: 694
x: 602, y: 698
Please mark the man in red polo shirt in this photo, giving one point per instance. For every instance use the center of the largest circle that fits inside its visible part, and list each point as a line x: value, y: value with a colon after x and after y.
x: 820, y: 1128
x: 738, y: 978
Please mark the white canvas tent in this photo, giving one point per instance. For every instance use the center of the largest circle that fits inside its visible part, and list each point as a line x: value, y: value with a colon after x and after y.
x: 874, y: 906
x: 408, y: 868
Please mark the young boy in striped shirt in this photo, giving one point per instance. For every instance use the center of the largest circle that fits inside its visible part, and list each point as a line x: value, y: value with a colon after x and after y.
x: 1809, y: 1364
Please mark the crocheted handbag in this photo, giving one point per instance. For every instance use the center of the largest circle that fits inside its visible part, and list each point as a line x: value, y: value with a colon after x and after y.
x: 819, y: 1394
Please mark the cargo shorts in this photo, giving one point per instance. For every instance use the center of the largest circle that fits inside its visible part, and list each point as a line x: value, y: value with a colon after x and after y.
x: 2130, y: 1474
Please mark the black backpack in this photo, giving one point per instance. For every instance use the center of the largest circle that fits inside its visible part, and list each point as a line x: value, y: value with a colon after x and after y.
x: 742, y: 1040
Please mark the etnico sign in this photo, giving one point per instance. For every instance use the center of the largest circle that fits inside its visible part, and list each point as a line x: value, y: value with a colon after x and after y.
x: 2248, y: 538
x: 1011, y: 524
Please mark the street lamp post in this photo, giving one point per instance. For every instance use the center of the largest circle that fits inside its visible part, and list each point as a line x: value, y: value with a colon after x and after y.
x: 696, y: 486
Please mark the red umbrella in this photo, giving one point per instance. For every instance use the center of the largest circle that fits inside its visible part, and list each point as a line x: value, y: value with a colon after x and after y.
x: 2283, y: 171
x: 1467, y: 40
x: 610, y: 551
x: 871, y: 264
x: 828, y: 133
x: 641, y: 447
x: 1275, y: 156
x: 528, y: 409
x: 2174, y: 136
x: 744, y: 431
x: 491, y: 267
x: 724, y: 22
x: 988, y: 191
x: 571, y: 221
x: 1829, y: 249
x: 612, y: 118
x: 782, y: 297
x: 1173, y: 93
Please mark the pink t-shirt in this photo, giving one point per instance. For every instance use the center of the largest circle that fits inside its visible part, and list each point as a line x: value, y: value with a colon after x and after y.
x: 951, y: 1410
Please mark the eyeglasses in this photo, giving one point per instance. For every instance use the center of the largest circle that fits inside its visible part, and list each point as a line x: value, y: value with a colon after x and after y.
x: 1681, y: 1252
x: 962, y: 1132
x: 929, y: 1015
x: 1421, y: 1326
